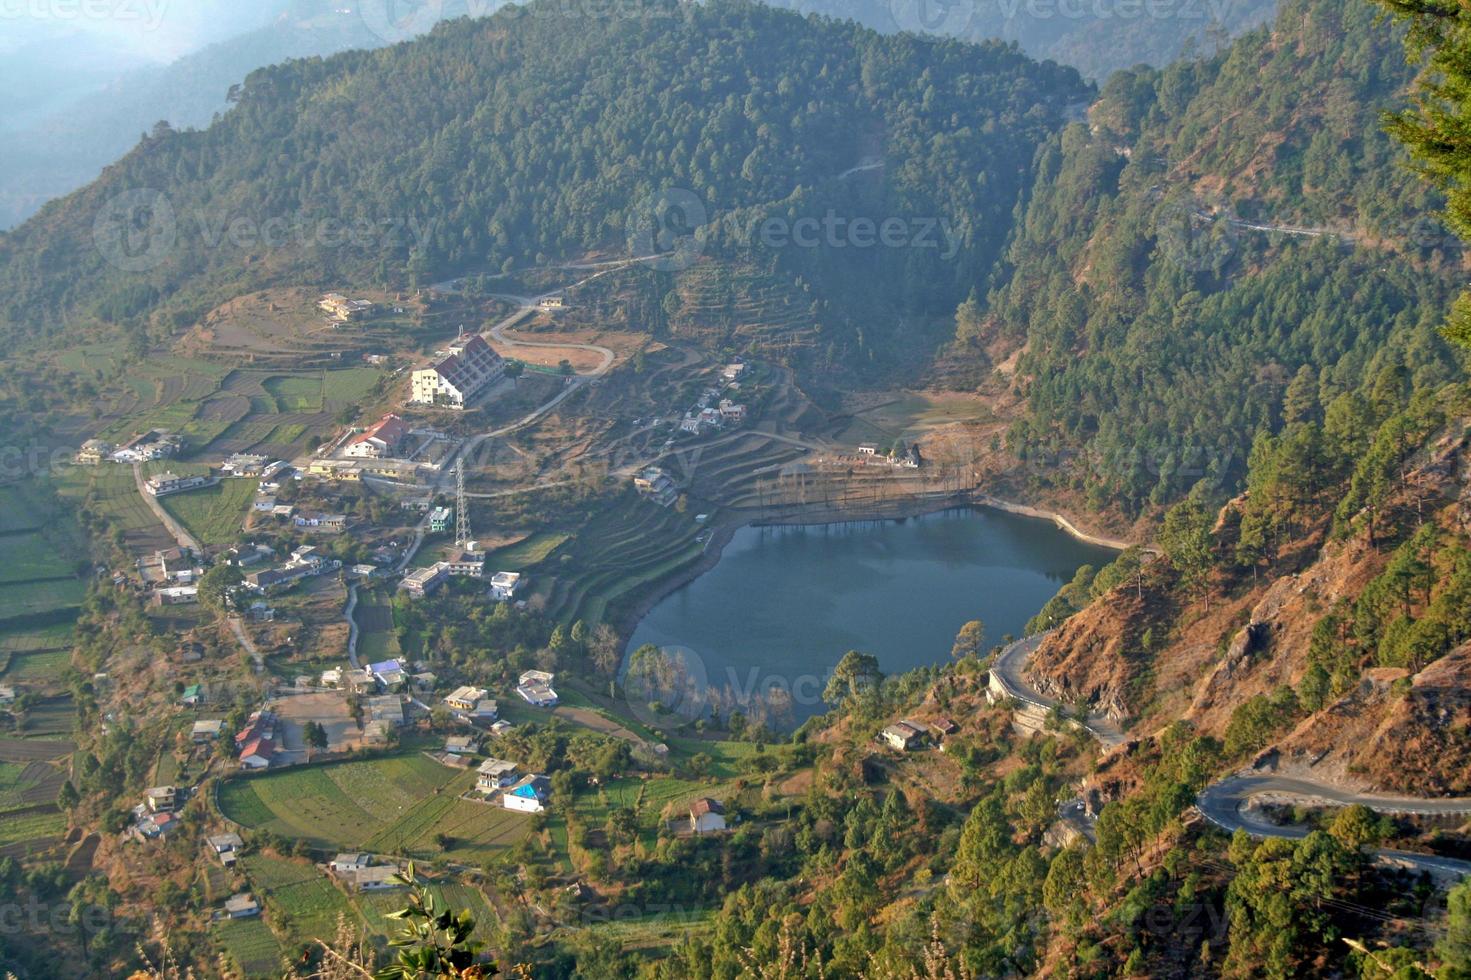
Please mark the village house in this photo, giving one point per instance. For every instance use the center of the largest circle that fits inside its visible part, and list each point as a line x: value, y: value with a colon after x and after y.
x: 385, y: 438
x: 164, y: 484
x: 349, y: 862
x: 528, y: 795
x: 424, y: 581
x: 205, y: 732
x: 343, y: 309
x: 496, y: 774
x: 551, y: 303
x: 505, y: 585
x: 93, y: 452
x: 732, y: 412
x: 176, y: 595
x: 226, y: 847
x: 707, y: 816
x: 244, y: 464
x: 535, y: 688
x: 161, y: 799
x: 468, y: 366
x: 466, y: 564
x: 257, y: 754
x: 733, y: 371
x: 152, y: 826
x: 389, y: 673
x: 193, y: 696
x: 656, y: 485
x: 903, y: 735
x: 465, y: 698
x: 439, y: 519
x: 374, y: 878
x: 241, y: 906
x: 461, y: 745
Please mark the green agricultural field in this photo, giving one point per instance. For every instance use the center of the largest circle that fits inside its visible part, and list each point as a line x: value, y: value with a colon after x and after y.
x: 476, y: 830
x: 57, y: 637
x: 36, y: 667
x: 340, y: 805
x: 350, y: 385
x: 376, y: 908
x: 522, y: 555
x: 293, y: 394
x: 31, y: 598
x: 31, y: 825
x: 17, y: 512
x: 28, y: 785
x: 251, y: 945
x: 213, y: 515
x: 31, y: 556
x: 300, y: 897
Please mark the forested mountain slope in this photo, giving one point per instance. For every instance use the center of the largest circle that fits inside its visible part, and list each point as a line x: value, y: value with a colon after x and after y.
x: 1226, y: 245
x: 491, y: 142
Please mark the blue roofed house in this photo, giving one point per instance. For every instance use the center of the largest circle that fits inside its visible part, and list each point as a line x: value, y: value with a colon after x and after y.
x: 389, y: 673
x: 529, y: 795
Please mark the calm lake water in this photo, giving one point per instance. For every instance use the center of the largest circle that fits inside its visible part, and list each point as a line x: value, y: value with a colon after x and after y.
x: 785, y: 603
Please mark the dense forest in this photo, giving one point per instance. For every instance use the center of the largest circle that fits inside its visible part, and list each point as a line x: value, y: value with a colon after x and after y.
x: 1227, y: 245
x: 491, y: 143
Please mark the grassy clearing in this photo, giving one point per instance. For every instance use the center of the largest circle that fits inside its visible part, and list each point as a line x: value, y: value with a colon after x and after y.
x: 292, y: 393
x: 41, y: 666
x: 375, y: 908
x: 42, y: 638
x: 251, y: 945
x: 213, y: 515
x: 350, y: 385
x: 475, y: 830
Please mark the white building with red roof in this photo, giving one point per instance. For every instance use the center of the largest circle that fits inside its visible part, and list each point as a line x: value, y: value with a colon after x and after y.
x: 383, y: 439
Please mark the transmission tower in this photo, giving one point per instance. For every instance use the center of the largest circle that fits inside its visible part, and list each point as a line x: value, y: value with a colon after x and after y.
x: 462, y: 510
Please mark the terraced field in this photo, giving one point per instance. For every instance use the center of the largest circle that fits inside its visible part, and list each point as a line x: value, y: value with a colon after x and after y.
x: 300, y: 895
x: 250, y: 944
x: 620, y: 551
x: 476, y: 830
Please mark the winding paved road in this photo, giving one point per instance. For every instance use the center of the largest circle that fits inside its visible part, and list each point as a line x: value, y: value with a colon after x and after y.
x: 1006, y: 674
x: 1225, y: 803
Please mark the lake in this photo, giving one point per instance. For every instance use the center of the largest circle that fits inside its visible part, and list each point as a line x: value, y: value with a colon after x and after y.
x: 785, y: 603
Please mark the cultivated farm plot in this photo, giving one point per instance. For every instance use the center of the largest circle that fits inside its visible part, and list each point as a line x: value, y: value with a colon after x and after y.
x: 58, y: 637
x: 300, y: 894
x: 476, y: 830
x: 32, y: 826
x: 375, y: 908
x: 39, y: 666
x: 214, y: 514
x: 250, y: 944
x: 16, y: 512
x: 29, y: 750
x: 32, y: 784
x: 19, y: 599
x: 30, y: 557
x: 342, y: 804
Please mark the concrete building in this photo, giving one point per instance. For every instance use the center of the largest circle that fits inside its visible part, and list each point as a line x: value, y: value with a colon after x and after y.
x: 469, y: 365
x: 383, y: 439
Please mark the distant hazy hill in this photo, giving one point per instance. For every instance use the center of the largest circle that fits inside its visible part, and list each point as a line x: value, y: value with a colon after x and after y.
x: 498, y: 140
x: 1098, y: 37
x: 59, y: 150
